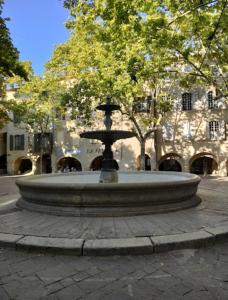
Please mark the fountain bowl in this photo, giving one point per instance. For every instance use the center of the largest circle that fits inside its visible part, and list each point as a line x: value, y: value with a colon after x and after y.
x: 136, y: 193
x: 110, y: 136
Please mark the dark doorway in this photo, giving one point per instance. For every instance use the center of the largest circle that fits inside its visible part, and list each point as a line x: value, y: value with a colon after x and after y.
x: 97, y: 163
x: 203, y: 166
x: 3, y: 164
x: 25, y: 166
x: 147, y: 163
x: 170, y: 165
x: 45, y: 165
x: 69, y: 164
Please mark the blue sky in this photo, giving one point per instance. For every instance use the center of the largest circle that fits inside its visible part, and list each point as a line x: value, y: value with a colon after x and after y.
x: 36, y: 27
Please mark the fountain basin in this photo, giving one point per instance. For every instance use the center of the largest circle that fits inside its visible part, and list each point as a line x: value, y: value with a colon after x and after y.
x: 136, y: 193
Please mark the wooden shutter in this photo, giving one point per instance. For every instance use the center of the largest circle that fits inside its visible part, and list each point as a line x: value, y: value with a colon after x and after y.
x: 11, y: 142
x: 22, y: 142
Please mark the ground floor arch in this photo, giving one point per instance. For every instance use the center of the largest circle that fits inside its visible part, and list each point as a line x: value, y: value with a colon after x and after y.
x: 203, y: 164
x: 147, y: 162
x: 96, y: 163
x: 43, y: 165
x: 22, y: 165
x: 3, y: 164
x: 68, y: 164
x: 170, y: 162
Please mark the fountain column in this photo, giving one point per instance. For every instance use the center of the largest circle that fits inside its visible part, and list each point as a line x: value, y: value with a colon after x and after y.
x: 108, y: 171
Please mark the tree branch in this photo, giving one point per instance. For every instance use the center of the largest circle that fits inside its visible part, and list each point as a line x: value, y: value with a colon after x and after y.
x: 189, y: 11
x: 212, y: 36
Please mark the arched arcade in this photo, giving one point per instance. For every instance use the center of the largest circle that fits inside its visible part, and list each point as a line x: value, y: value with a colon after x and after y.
x: 22, y: 165
x: 171, y: 162
x: 68, y: 164
x: 203, y: 164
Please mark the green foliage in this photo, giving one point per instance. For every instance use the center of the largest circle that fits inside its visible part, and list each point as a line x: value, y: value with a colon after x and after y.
x: 9, y: 67
x: 9, y: 63
x: 79, y: 99
x: 38, y: 99
x: 127, y: 49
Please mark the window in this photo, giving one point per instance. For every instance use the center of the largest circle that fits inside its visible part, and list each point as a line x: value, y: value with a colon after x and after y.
x: 186, y: 101
x: 16, y: 118
x: 17, y: 142
x: 44, y: 141
x: 61, y: 114
x: 213, y: 130
x: 142, y: 104
x: 212, y: 103
x: 168, y: 132
x: 187, y: 129
x: 11, y: 86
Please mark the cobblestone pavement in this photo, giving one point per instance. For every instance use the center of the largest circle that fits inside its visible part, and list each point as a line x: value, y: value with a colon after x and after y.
x: 184, y: 274
x: 7, y: 185
x: 212, y: 212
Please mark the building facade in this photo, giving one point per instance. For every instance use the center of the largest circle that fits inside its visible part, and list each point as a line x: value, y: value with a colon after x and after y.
x: 194, y: 138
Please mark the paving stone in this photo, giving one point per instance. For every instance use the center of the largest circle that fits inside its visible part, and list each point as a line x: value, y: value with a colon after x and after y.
x: 179, y: 241
x: 63, y: 245
x: 28, y: 288
x: 118, y: 246
x: 72, y: 292
x: 55, y: 273
x: 3, y: 294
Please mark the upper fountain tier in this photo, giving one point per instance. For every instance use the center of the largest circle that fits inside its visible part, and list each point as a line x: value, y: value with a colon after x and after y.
x: 105, y: 136
x: 108, y: 107
x: 108, y: 136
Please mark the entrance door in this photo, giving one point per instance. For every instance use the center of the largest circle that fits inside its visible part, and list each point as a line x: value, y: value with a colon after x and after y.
x: 203, y: 165
x: 170, y: 165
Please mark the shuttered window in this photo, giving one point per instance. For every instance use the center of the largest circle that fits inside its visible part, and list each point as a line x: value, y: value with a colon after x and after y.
x: 212, y: 103
x: 17, y: 142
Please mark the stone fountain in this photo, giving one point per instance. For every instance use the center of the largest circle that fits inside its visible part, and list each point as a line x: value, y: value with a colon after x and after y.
x: 108, y: 193
x: 108, y: 137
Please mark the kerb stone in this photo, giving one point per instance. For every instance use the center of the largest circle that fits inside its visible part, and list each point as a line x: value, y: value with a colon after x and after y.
x: 199, y: 238
x: 103, y: 247
x: 7, y: 239
x: 219, y: 232
x: 60, y: 245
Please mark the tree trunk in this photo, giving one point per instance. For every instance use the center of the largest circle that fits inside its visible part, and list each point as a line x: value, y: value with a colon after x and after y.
x: 142, y: 155
x: 41, y: 153
x: 158, y: 145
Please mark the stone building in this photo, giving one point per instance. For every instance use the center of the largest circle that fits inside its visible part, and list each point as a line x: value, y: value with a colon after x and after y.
x: 194, y: 139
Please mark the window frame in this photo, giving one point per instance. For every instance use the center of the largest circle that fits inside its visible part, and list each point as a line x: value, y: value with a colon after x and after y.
x: 186, y: 101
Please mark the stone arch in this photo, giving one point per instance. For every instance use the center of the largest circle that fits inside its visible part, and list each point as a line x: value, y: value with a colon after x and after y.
x: 171, y: 162
x: 3, y: 164
x: 68, y: 164
x: 22, y: 165
x: 97, y: 163
x: 203, y: 163
x: 147, y: 162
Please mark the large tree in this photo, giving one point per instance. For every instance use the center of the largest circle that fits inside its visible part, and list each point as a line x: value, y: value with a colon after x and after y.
x: 130, y: 49
x: 9, y: 66
x: 193, y: 33
x: 112, y: 60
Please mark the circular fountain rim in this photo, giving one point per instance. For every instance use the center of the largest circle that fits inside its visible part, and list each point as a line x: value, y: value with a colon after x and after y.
x: 108, y: 199
x: 31, y: 180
